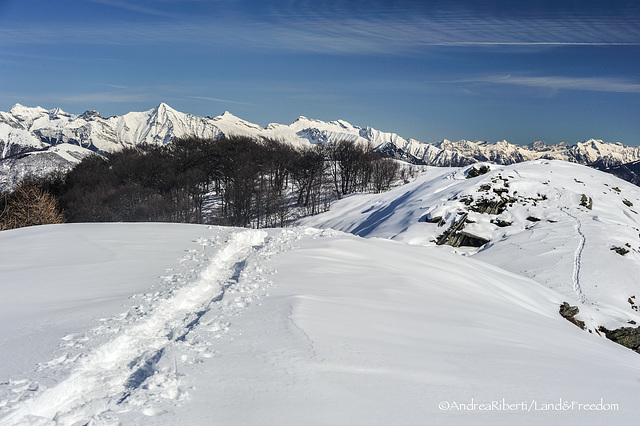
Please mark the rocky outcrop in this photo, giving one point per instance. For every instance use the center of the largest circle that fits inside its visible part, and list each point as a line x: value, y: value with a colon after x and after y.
x: 491, y: 206
x: 569, y: 313
x: 628, y: 337
x: 473, y: 172
x: 586, y: 202
x: 456, y: 237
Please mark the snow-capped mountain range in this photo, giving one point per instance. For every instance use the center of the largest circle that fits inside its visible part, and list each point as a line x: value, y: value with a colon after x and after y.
x: 33, y: 140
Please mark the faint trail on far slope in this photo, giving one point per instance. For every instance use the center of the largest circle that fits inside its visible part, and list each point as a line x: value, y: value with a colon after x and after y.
x: 105, y: 377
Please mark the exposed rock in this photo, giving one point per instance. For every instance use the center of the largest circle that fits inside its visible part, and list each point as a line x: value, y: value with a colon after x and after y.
x: 436, y: 219
x: 533, y: 219
x: 586, y: 202
x: 455, y: 227
x: 501, y: 223
x: 468, y: 200
x: 465, y: 239
x: 569, y: 312
x: 626, y: 336
x: 632, y: 303
x: 620, y: 250
x: 627, y: 203
x: 456, y: 237
x: 473, y: 172
x: 491, y: 206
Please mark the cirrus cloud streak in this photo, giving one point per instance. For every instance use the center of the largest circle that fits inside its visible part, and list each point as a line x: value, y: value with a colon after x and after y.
x: 342, y: 36
x: 593, y: 84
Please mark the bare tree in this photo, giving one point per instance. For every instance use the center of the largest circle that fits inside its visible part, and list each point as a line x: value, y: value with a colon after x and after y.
x: 28, y: 205
x: 385, y: 172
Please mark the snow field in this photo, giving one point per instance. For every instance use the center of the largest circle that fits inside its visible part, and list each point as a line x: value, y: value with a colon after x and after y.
x: 317, y: 327
x: 108, y: 374
x: 376, y: 332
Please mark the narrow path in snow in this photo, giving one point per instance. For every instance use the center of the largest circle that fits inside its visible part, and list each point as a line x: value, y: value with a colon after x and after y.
x: 108, y: 375
x: 577, y: 257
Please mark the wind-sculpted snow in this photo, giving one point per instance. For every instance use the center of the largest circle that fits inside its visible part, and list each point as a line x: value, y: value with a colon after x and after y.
x: 289, y: 326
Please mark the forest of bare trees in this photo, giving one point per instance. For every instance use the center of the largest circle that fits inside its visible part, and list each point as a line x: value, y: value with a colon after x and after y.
x: 237, y: 181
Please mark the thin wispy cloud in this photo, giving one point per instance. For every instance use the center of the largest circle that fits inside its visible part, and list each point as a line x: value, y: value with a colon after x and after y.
x: 205, y: 98
x: 597, y: 84
x: 334, y: 35
x: 97, y: 97
x: 592, y: 84
x: 383, y: 36
x: 132, y: 6
x: 115, y: 86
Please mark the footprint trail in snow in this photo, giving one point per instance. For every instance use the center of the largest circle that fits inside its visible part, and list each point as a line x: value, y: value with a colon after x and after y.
x: 107, y: 378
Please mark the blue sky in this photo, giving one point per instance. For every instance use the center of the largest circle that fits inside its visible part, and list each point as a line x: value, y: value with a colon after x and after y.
x: 488, y: 70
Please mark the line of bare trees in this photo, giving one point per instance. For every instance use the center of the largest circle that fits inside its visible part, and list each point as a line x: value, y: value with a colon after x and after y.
x: 236, y: 181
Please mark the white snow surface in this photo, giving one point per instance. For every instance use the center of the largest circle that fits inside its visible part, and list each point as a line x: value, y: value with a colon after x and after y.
x: 553, y: 236
x: 107, y: 324
x: 15, y: 141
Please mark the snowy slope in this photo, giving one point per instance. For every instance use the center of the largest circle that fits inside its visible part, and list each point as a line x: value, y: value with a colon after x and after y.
x: 295, y: 326
x: 15, y: 141
x: 39, y: 163
x: 558, y: 225
x: 69, y: 274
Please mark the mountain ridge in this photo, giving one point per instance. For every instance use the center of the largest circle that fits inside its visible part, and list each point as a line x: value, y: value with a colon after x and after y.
x: 161, y: 124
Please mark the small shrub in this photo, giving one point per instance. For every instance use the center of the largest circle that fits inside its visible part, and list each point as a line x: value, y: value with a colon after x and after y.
x: 28, y: 205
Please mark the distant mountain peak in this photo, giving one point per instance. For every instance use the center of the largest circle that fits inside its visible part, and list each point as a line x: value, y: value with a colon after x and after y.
x: 91, y: 114
x: 57, y: 113
x: 164, y: 108
x: 227, y: 115
x: 24, y: 112
x: 236, y: 125
x: 16, y: 107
